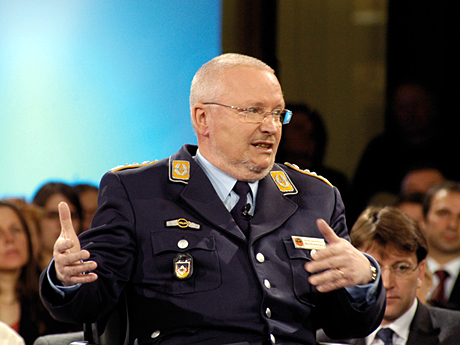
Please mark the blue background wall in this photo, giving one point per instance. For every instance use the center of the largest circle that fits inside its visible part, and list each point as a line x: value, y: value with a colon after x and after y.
x: 91, y: 84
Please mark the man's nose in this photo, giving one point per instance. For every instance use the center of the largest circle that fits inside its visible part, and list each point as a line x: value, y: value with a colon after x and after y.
x: 7, y: 236
x: 454, y: 222
x: 387, y: 278
x: 269, y: 124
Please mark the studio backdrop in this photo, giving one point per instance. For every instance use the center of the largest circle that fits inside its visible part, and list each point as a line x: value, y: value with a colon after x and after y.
x: 88, y: 85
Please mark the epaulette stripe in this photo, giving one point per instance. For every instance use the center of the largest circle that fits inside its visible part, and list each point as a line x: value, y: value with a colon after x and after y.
x: 134, y: 165
x: 308, y: 172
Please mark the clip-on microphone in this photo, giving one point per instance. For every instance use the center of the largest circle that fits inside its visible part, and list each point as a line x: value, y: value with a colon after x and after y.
x: 246, y: 213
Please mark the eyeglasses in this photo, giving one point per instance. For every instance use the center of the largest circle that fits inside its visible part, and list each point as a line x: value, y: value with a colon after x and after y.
x: 401, y: 270
x: 257, y: 114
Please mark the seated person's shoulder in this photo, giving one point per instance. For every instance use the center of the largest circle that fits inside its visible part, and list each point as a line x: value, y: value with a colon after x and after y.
x: 296, y: 172
x: 443, y: 314
x: 132, y: 166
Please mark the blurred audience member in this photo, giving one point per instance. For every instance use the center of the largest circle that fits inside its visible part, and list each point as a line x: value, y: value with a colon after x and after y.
x: 413, y: 136
x: 398, y: 245
x: 20, y: 305
x: 441, y: 225
x: 420, y: 180
x: 415, y: 183
x: 33, y: 215
x: 412, y: 205
x: 87, y: 194
x: 9, y: 336
x: 304, y: 143
x: 48, y: 197
x: 427, y: 284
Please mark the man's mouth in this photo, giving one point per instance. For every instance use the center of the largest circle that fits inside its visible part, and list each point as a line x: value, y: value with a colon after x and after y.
x: 450, y: 235
x: 263, y: 145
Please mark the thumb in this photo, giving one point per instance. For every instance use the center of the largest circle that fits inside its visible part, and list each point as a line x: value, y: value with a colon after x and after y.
x: 327, y: 231
x: 66, y: 220
x: 67, y: 230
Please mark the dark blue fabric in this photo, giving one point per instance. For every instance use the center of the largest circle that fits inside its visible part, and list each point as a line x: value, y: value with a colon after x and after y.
x: 148, y: 215
x: 242, y: 189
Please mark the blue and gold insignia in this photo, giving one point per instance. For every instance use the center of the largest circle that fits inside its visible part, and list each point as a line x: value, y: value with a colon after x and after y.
x: 283, y: 183
x: 179, y: 170
x: 183, y: 266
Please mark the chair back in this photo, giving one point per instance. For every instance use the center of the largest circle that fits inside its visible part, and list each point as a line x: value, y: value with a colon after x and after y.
x: 115, y: 331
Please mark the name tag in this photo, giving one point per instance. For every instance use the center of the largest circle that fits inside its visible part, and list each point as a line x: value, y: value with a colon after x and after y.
x: 308, y: 242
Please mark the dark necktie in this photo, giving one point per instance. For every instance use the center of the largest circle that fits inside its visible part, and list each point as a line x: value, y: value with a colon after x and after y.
x: 386, y: 335
x: 439, y: 295
x: 240, y: 210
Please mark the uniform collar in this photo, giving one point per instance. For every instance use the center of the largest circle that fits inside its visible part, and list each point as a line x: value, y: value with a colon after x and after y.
x: 222, y: 182
x: 270, y: 193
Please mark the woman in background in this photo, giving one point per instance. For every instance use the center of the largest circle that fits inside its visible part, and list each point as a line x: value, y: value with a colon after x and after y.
x: 20, y: 304
x: 48, y: 198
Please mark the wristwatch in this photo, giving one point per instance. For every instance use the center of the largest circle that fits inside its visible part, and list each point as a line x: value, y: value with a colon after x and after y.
x: 374, y: 273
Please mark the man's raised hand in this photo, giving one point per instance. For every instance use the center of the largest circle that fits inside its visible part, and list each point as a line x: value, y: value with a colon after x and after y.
x: 69, y: 259
x: 339, y: 264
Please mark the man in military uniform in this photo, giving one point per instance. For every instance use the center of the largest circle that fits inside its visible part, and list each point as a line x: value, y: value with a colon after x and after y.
x: 217, y: 244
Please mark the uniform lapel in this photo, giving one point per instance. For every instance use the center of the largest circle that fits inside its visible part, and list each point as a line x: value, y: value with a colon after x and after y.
x: 273, y: 208
x: 199, y: 194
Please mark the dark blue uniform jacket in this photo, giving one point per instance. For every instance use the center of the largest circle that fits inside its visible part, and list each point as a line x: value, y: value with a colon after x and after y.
x: 235, y: 290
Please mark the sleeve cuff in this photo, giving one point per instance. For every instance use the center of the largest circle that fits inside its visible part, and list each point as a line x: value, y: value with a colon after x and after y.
x: 367, y: 293
x: 63, y: 291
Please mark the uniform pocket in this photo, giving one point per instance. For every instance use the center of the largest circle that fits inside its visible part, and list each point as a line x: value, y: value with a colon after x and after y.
x: 304, y: 291
x: 173, y: 251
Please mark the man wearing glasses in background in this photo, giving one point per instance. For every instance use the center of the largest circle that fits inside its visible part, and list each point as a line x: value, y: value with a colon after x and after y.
x: 400, y: 248
x: 217, y: 244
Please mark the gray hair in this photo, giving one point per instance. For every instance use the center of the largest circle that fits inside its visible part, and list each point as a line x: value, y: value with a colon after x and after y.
x: 205, y: 82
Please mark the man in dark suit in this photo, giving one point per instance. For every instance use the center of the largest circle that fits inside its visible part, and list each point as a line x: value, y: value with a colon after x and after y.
x: 217, y: 244
x: 400, y: 248
x: 441, y: 225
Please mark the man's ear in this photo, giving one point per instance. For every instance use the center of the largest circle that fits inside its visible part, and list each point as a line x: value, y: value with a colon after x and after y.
x: 422, y: 224
x: 421, y: 274
x: 200, y: 117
